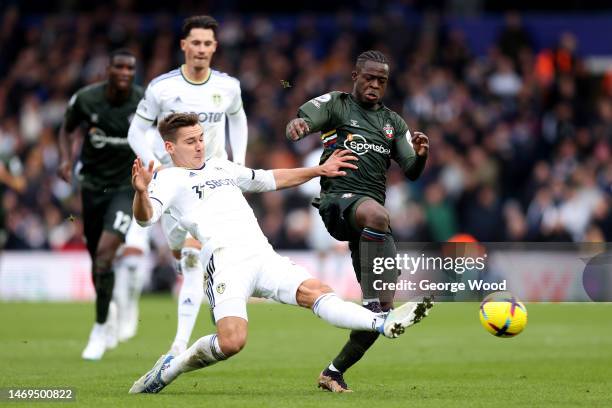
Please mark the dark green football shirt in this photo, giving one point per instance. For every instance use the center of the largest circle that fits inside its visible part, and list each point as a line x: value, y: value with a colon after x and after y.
x: 375, y: 136
x: 106, y: 155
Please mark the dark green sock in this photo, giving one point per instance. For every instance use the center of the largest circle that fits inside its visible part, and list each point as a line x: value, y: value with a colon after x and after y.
x: 363, y: 254
x: 390, y: 274
x: 372, y: 248
x: 104, y: 283
x: 359, y: 342
x: 375, y: 247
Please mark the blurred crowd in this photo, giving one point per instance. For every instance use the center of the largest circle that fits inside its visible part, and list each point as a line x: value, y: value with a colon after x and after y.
x: 520, y: 138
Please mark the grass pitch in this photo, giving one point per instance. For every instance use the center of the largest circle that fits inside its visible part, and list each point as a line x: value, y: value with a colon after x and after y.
x: 564, y: 358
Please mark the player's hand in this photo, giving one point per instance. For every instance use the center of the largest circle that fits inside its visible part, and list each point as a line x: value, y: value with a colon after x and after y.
x: 296, y: 129
x: 338, y: 160
x: 420, y: 143
x: 64, y: 171
x: 141, y: 176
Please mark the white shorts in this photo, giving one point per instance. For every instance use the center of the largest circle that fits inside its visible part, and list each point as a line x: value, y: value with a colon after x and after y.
x: 233, y: 276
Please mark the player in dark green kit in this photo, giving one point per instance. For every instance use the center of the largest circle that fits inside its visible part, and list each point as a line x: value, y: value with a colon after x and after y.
x: 352, y: 207
x: 104, y: 111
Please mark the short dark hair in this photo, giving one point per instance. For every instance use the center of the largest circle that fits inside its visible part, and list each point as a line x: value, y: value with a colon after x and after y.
x: 206, y: 22
x: 170, y: 125
x: 121, y: 52
x: 371, y: 55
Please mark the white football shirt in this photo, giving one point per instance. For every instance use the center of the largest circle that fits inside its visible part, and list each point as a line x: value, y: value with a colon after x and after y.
x: 208, y: 202
x: 212, y: 100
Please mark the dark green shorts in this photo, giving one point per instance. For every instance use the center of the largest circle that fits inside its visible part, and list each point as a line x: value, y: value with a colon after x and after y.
x: 338, y: 214
x: 105, y: 211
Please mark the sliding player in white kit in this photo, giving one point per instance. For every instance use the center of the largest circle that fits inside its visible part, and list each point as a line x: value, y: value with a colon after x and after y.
x: 213, y: 96
x: 206, y: 198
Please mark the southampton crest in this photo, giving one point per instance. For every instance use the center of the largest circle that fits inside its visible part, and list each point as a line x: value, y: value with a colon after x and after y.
x: 388, y: 129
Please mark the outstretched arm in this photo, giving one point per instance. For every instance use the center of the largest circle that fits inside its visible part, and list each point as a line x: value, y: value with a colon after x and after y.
x: 340, y: 159
x: 259, y: 181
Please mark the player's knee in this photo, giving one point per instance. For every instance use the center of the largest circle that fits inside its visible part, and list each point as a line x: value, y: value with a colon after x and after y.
x: 378, y: 219
x: 309, y: 291
x: 232, y: 343
x: 103, y: 260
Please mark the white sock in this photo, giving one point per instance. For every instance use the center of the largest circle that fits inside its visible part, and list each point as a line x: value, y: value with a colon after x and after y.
x: 346, y: 315
x: 137, y: 266
x: 121, y: 288
x: 129, y: 281
x: 190, y: 296
x: 204, y: 352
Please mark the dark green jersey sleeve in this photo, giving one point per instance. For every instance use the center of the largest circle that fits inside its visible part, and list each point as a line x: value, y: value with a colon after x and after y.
x: 74, y: 114
x: 319, y: 113
x: 403, y: 153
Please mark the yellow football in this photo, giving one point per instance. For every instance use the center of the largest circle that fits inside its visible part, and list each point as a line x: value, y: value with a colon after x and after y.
x: 502, y: 314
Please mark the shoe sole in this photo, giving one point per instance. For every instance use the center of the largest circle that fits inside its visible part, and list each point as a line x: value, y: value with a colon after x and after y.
x: 420, y: 312
x: 327, y: 384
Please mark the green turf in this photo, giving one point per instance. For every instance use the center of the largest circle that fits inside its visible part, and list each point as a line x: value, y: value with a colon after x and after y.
x: 564, y: 358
